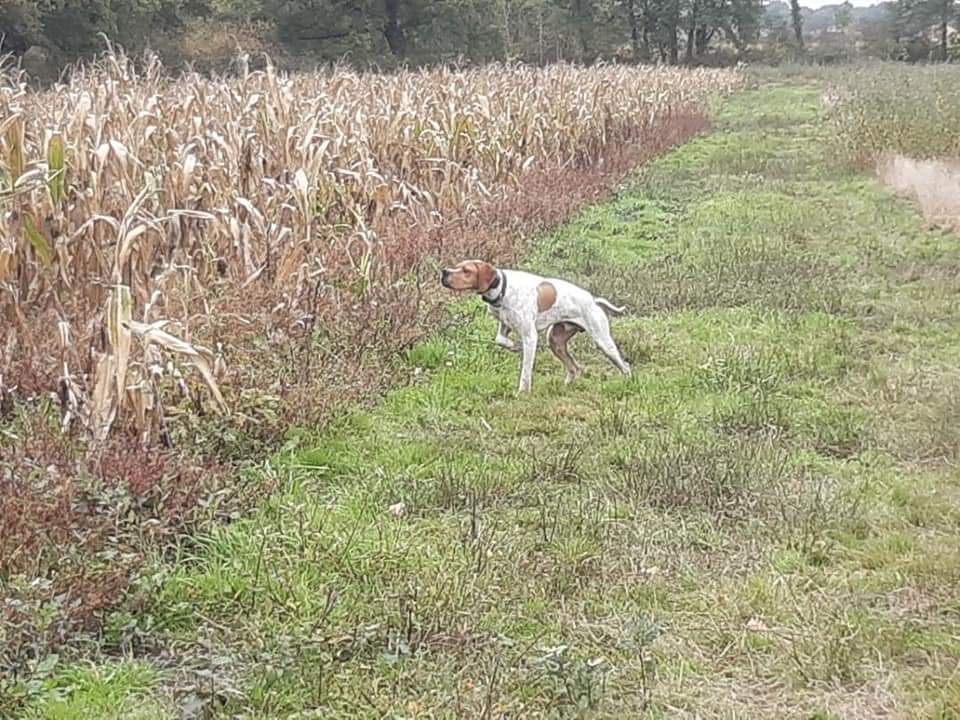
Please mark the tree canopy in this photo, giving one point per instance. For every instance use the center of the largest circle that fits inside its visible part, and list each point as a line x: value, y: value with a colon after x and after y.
x: 208, y: 33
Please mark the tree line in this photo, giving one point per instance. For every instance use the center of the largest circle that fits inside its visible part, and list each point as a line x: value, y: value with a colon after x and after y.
x: 51, y: 33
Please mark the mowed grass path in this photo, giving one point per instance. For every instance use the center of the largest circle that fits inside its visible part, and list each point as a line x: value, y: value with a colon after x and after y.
x: 764, y: 521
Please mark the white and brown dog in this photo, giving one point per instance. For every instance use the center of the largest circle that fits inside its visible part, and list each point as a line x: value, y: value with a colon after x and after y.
x: 529, y: 304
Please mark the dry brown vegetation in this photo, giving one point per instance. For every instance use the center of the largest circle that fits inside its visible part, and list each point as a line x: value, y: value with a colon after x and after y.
x: 191, y: 266
x: 148, y: 214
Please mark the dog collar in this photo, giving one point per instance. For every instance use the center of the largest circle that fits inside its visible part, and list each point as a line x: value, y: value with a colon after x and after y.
x: 498, y: 288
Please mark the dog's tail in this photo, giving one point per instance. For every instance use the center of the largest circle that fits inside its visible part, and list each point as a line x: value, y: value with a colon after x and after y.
x: 609, y: 308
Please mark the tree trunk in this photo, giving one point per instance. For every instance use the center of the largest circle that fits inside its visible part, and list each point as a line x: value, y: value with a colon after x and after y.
x: 944, y: 45
x: 691, y: 32
x: 507, y: 45
x: 673, y: 39
x: 634, y: 30
x: 582, y: 19
x: 540, y: 37
x: 392, y: 30
x: 703, y: 38
x: 648, y: 27
x: 797, y: 22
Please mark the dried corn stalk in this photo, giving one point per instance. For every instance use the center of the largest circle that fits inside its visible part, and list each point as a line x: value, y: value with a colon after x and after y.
x: 126, y: 192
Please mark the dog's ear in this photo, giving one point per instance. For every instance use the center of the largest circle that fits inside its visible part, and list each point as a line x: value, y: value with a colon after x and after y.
x: 485, y: 276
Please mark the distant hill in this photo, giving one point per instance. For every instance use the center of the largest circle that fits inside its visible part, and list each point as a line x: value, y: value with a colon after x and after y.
x: 778, y: 12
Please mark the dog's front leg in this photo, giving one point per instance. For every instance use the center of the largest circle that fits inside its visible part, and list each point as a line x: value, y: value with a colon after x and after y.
x: 502, y: 340
x: 529, y: 341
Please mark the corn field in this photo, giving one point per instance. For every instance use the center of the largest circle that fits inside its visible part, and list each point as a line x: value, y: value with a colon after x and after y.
x: 140, y: 210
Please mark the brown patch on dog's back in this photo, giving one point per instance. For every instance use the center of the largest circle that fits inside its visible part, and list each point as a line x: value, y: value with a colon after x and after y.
x: 546, y: 296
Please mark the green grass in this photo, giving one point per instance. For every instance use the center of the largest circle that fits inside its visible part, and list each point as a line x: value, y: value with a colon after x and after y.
x: 115, y: 690
x: 761, y: 522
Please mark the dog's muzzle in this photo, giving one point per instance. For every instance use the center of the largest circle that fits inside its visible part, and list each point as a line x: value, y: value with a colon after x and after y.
x: 445, y: 277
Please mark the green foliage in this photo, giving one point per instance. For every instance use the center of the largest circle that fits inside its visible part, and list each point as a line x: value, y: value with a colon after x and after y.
x: 22, y: 23
x: 921, y: 28
x: 382, y: 32
x: 843, y: 16
x: 387, y: 33
x: 109, y: 692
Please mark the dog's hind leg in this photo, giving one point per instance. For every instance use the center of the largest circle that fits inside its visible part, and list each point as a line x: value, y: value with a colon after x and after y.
x: 558, y: 337
x: 599, y: 328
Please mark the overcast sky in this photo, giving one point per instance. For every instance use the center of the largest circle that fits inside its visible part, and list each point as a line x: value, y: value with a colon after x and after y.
x: 814, y: 4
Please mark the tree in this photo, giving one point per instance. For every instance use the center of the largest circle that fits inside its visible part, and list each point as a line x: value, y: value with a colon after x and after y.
x: 843, y: 16
x: 418, y: 32
x: 737, y: 20
x: 22, y: 23
x: 694, y: 27
x: 392, y: 29
x: 914, y: 20
x: 667, y: 19
x: 642, y: 18
x: 635, y: 44
x: 742, y: 24
x: 942, y: 11
x: 797, y: 22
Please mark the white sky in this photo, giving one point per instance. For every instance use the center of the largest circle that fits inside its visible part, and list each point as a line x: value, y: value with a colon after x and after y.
x: 814, y: 4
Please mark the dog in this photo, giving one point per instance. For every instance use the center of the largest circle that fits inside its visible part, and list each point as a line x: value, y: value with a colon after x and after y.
x: 528, y: 304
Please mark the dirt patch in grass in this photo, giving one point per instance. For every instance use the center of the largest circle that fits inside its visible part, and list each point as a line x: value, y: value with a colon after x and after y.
x: 933, y: 184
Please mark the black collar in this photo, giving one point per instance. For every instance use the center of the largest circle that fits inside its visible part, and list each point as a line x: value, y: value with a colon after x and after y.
x: 494, y: 294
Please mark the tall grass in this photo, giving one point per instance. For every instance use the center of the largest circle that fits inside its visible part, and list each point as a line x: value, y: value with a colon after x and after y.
x: 913, y: 110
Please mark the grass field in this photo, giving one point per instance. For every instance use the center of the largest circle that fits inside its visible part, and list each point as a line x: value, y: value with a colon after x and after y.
x: 190, y: 265
x: 763, y: 522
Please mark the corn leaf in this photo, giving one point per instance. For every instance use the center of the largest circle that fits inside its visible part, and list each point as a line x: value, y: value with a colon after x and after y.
x: 38, y: 241
x: 15, y: 142
x: 57, y: 167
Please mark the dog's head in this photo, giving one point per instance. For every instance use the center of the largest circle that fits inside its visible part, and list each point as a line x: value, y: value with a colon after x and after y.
x: 469, y: 275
